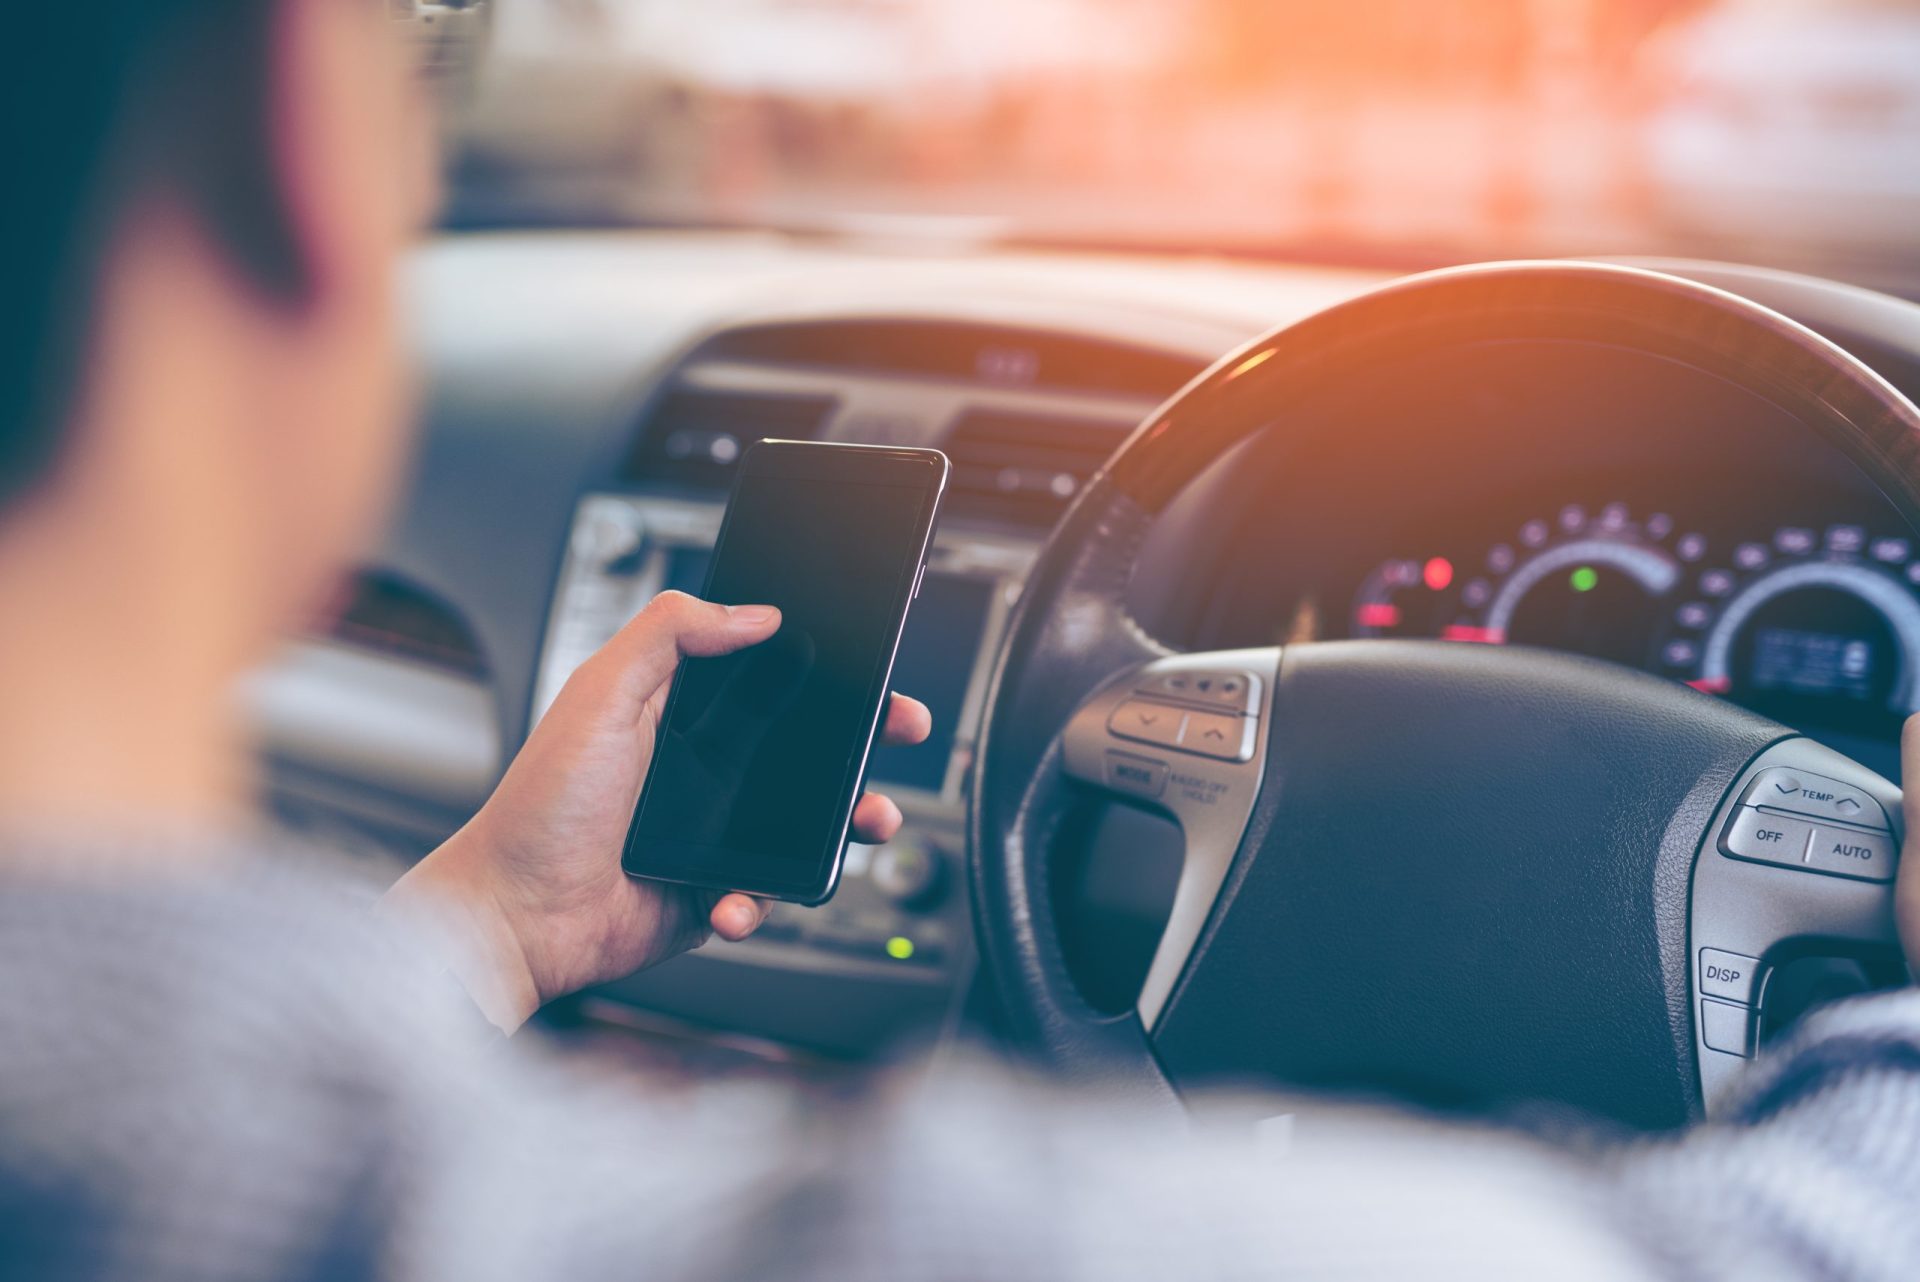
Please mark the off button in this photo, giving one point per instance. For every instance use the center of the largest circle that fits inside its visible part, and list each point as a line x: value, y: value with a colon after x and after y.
x: 1772, y: 839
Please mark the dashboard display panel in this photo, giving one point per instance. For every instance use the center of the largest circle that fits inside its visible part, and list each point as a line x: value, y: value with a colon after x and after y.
x: 1817, y: 627
x: 935, y: 666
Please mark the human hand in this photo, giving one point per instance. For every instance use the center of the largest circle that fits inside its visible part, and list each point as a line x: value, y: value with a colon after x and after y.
x: 530, y: 894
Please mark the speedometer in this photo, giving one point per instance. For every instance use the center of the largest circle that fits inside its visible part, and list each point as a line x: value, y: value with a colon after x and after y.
x: 1809, y: 628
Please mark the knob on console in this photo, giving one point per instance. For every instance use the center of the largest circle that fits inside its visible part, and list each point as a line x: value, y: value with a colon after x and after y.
x: 910, y: 873
x: 607, y: 536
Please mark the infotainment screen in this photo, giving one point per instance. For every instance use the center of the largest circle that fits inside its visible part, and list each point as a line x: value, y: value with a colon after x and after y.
x: 935, y: 663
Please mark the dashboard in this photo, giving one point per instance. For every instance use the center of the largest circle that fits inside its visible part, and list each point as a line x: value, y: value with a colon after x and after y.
x: 1602, y: 503
x: 589, y: 394
x: 1815, y: 626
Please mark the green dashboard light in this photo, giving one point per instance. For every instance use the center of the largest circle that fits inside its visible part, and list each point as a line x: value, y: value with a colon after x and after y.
x: 1586, y: 579
x: 900, y: 948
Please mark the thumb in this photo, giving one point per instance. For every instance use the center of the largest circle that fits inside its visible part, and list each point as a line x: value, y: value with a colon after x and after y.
x: 643, y: 654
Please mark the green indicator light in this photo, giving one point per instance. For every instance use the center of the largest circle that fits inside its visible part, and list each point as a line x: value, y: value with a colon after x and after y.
x: 1586, y: 579
x: 900, y: 948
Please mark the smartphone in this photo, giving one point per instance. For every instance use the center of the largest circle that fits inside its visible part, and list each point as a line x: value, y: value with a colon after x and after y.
x: 762, y: 753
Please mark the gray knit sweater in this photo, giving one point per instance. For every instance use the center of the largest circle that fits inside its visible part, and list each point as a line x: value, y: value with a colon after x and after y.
x: 233, y: 1075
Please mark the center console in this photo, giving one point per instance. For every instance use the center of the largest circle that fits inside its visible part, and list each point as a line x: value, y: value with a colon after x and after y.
x: 1026, y: 418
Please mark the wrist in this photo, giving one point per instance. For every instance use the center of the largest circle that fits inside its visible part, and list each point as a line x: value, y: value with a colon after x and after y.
x: 449, y: 901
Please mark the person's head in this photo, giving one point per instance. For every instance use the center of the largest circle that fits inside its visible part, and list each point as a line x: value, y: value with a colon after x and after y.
x: 202, y: 402
x: 205, y: 201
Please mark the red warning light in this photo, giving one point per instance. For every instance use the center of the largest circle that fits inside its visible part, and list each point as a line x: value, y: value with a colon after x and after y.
x: 1379, y: 614
x: 1438, y: 573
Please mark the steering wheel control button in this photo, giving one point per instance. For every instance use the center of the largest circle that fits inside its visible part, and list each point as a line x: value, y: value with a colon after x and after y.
x: 1148, y: 722
x: 1213, y: 734
x: 1726, y: 1028
x: 1848, y: 852
x: 1817, y: 797
x: 1239, y: 691
x: 1141, y: 776
x: 1770, y: 838
x: 1793, y: 842
x: 1728, y: 975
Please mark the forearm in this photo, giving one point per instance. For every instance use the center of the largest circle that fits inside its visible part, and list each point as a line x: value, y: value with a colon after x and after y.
x: 448, y: 906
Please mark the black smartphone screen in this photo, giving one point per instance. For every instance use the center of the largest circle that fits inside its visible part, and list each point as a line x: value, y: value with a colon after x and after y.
x: 759, y: 759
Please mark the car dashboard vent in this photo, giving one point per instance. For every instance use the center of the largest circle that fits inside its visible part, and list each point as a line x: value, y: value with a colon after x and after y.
x: 694, y: 437
x: 1024, y: 468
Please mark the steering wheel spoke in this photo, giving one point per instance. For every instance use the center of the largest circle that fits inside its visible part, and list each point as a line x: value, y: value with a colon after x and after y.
x: 1796, y: 872
x: 1185, y: 735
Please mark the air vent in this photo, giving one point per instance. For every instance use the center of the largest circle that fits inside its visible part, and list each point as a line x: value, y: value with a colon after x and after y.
x: 694, y: 437
x: 389, y: 615
x: 1025, y: 468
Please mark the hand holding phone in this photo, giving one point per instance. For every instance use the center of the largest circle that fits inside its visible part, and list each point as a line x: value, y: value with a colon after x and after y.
x: 529, y: 900
x: 762, y: 752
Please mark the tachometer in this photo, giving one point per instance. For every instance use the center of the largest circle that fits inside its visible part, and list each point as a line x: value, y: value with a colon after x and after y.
x: 1590, y: 583
x: 1597, y: 596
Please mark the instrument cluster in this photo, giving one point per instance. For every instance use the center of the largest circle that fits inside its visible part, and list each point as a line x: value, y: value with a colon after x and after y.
x: 1817, y: 627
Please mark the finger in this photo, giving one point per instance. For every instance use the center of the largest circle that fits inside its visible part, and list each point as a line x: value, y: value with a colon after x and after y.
x: 909, y: 721
x: 737, y: 916
x: 876, y: 819
x: 643, y: 654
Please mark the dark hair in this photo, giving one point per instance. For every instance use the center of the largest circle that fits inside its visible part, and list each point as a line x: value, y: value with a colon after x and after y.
x: 100, y: 102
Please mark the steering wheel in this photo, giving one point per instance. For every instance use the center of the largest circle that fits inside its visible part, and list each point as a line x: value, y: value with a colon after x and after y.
x: 1471, y: 875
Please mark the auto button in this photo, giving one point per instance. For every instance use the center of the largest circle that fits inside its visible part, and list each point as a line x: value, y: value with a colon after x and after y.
x: 1849, y: 852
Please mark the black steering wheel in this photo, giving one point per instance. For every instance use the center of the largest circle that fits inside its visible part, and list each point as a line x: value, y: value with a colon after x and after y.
x: 1471, y: 875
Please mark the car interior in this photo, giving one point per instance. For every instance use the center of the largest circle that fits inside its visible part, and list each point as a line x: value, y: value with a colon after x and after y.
x: 1469, y: 676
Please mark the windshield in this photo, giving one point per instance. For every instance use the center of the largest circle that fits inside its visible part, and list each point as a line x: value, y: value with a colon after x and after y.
x: 1390, y: 132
